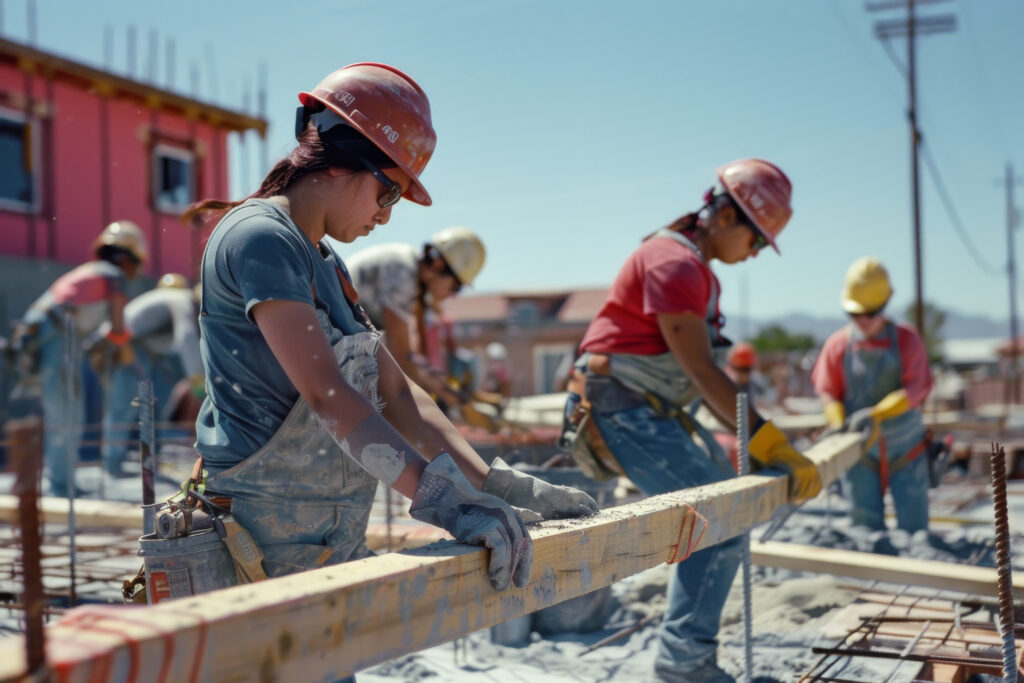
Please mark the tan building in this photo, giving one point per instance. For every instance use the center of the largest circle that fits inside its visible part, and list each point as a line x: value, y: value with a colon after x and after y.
x: 540, y: 331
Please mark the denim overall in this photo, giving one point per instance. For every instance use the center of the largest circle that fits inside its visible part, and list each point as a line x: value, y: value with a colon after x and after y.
x: 870, y: 375
x: 659, y: 455
x: 303, y: 500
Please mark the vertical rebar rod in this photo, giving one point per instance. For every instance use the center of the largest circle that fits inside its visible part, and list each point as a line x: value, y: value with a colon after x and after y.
x: 387, y: 512
x: 743, y: 455
x: 1004, y: 574
x: 147, y: 447
x: 73, y: 377
x: 26, y: 453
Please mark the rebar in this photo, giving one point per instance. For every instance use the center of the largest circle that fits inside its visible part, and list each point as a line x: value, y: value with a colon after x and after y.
x: 1004, y: 576
x: 72, y: 376
x: 26, y: 453
x: 147, y: 448
x: 743, y: 456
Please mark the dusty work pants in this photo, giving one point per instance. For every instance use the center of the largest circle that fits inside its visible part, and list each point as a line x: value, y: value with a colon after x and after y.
x: 659, y: 456
x: 120, y: 417
x: 909, y: 486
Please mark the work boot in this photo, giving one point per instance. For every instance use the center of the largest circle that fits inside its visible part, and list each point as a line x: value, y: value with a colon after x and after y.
x: 707, y: 671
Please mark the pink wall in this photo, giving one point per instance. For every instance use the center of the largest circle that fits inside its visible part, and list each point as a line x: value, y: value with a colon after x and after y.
x: 72, y: 158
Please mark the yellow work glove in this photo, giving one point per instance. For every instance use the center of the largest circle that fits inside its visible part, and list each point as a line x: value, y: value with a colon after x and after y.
x: 124, y: 354
x: 868, y: 420
x: 835, y: 414
x: 893, y: 405
x: 770, y: 448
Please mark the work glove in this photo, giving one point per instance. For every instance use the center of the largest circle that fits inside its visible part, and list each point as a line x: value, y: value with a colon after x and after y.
x: 445, y: 498
x: 770, y: 448
x: 867, y: 421
x: 123, y: 355
x: 835, y: 415
x: 521, y: 490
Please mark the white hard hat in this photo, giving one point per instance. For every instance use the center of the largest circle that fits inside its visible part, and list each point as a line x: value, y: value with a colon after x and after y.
x: 462, y: 250
x: 496, y: 351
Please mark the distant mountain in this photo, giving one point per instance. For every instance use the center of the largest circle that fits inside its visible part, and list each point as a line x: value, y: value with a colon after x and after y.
x: 958, y: 326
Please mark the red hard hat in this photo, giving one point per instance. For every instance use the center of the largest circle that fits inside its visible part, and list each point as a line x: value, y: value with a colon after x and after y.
x: 763, y: 192
x: 389, y: 108
x: 742, y: 356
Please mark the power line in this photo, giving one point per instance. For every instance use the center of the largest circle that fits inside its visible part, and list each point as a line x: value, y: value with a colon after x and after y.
x: 954, y: 217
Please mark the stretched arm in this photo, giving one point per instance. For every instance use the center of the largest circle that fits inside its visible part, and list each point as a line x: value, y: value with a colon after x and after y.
x: 687, y: 338
x: 310, y: 365
x: 398, y: 335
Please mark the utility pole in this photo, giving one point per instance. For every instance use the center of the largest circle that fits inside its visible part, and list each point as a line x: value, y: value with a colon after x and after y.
x: 1012, y: 387
x: 910, y: 28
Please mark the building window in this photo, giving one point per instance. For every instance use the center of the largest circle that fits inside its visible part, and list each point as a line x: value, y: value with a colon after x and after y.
x: 173, y: 178
x: 18, y: 180
x: 551, y: 365
x: 525, y: 313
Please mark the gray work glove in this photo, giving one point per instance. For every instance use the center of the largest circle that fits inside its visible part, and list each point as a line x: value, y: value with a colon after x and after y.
x: 865, y: 423
x: 521, y: 490
x: 445, y: 498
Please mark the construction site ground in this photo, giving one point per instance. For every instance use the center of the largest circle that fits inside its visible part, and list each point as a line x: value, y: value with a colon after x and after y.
x: 795, y: 612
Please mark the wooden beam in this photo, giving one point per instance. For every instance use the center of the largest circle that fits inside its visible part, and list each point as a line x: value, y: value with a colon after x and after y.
x: 326, y: 623
x: 951, y: 421
x: 903, y: 570
x: 88, y: 512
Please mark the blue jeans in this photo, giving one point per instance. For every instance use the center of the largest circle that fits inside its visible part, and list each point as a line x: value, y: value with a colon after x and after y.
x: 659, y: 456
x: 120, y: 419
x: 60, y: 376
x: 909, y: 488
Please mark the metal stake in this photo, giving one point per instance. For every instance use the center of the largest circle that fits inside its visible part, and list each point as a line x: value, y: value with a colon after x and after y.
x: 147, y: 443
x: 1003, y: 568
x: 73, y: 376
x: 743, y: 442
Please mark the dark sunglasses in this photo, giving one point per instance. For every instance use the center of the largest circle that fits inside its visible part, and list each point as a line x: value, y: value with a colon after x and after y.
x: 451, y: 273
x: 392, y: 190
x: 867, y: 314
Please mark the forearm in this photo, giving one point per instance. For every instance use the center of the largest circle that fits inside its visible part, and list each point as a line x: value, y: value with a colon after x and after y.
x: 416, y: 416
x: 719, y: 394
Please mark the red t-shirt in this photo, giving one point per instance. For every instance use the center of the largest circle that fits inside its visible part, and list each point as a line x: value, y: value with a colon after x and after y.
x: 829, y: 376
x: 661, y: 276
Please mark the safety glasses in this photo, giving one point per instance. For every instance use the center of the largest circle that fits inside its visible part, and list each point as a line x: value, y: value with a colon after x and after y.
x: 867, y: 314
x: 759, y: 241
x: 392, y: 190
x: 451, y: 273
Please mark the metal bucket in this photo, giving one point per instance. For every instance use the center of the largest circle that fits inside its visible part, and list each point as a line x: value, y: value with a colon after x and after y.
x: 180, y: 567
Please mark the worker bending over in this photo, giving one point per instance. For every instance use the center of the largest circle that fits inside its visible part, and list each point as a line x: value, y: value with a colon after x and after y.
x: 872, y: 376
x: 402, y: 288
x: 305, y: 409
x: 655, y: 347
x: 50, y: 336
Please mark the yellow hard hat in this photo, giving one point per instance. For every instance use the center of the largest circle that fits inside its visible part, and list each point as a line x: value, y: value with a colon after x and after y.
x: 462, y: 250
x: 123, y: 235
x: 172, y: 281
x: 867, y: 288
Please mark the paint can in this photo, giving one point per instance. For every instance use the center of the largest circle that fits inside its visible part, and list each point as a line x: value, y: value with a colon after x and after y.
x: 184, y: 566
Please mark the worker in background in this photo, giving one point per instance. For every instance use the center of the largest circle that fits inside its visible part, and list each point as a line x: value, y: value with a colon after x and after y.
x: 654, y: 347
x: 402, y: 288
x: 496, y: 378
x: 165, y: 339
x: 49, y: 341
x: 305, y: 409
x: 873, y: 376
x: 741, y: 363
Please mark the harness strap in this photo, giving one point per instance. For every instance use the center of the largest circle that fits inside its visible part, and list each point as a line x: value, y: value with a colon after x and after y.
x: 886, y: 469
x: 672, y: 412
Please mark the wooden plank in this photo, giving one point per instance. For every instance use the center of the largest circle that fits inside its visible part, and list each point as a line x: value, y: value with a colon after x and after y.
x: 951, y: 421
x: 902, y: 570
x: 329, y: 622
x: 88, y: 512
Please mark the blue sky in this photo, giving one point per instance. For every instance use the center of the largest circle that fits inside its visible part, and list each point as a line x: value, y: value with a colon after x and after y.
x: 568, y: 129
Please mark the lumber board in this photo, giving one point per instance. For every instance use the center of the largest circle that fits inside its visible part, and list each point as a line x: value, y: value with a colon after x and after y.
x: 888, y: 568
x: 953, y: 421
x: 327, y: 623
x: 88, y: 512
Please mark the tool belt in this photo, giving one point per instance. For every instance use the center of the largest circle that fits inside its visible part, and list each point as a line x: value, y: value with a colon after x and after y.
x: 192, y: 510
x: 885, y: 468
x: 580, y: 435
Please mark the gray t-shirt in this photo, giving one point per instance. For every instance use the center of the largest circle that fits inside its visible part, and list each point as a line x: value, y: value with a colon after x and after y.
x: 255, y: 254
x: 385, y: 275
x: 163, y: 321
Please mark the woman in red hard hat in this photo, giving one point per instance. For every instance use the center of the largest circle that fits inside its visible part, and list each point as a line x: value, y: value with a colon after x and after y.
x: 653, y: 349
x: 306, y: 410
